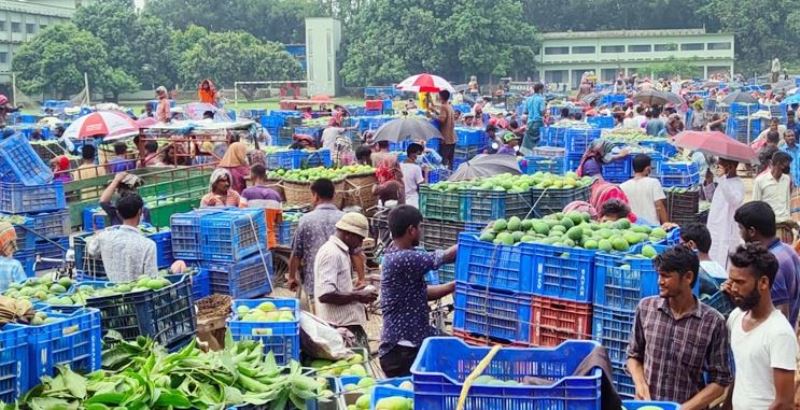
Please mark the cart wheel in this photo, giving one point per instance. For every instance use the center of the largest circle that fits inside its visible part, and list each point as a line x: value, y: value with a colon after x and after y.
x: 280, y: 267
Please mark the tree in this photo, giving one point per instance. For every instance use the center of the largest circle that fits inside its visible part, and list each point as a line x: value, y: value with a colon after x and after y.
x: 236, y: 56
x: 116, y: 23
x: 763, y: 29
x: 269, y: 20
x: 391, y: 39
x: 57, y: 58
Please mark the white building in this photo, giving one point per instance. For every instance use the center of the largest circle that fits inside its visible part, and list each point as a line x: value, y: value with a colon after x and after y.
x: 564, y: 56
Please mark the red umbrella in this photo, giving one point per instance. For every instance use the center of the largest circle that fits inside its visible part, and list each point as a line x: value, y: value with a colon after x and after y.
x: 428, y: 83
x: 109, y: 124
x: 717, y: 144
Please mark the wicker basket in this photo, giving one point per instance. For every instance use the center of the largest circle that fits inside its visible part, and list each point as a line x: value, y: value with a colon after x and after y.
x: 299, y: 193
x: 358, y: 192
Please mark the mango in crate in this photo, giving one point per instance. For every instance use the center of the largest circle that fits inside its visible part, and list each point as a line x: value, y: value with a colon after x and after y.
x: 39, y: 288
x: 395, y: 403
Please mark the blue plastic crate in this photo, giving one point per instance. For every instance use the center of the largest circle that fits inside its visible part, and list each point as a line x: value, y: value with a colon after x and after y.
x: 743, y: 109
x: 486, y: 206
x: 432, y: 278
x: 382, y: 392
x: 447, y: 273
x: 721, y: 302
x: 663, y: 405
x: 20, y: 163
x: 611, y: 99
x: 201, y: 284
x: 163, y: 240
x: 289, y: 159
x: 612, y: 328
x: 678, y: 174
x: 245, y: 279
x: 470, y: 137
x: 232, y: 235
x: 438, y: 175
x: 564, y: 273
x: 534, y: 164
x: 14, y: 365
x: 186, y: 239
x: 497, y: 314
x: 434, y: 144
x: 602, y: 121
x: 501, y: 267
x: 622, y: 280
x: 286, y: 233
x: 74, y: 339
x: 623, y: 382
x: 280, y: 338
x: 618, y: 171
x: 319, y: 158
x: 94, y: 219
x: 18, y: 198
x: 166, y: 315
x: 52, y: 224
x: 663, y: 147
x: 443, y: 363
x: 554, y: 136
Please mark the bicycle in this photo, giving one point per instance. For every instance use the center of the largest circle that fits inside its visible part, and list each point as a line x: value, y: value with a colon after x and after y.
x: 66, y: 266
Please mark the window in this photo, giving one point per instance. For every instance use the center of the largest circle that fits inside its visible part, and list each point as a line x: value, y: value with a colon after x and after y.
x: 16, y: 27
x: 692, y: 46
x: 42, y: 26
x: 719, y: 46
x: 639, y: 48
x: 612, y: 49
x: 556, y: 50
x: 666, y: 47
x: 2, y: 25
x: 3, y: 57
x: 583, y: 50
x: 30, y: 28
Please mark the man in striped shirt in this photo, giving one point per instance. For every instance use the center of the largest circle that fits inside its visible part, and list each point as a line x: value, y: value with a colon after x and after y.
x: 337, y: 301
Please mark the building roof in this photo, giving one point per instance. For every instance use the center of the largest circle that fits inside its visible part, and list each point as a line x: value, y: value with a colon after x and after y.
x: 624, y: 33
x: 31, y: 7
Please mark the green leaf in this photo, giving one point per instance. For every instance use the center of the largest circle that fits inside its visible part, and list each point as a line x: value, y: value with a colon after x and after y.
x: 174, y: 399
x: 75, y: 383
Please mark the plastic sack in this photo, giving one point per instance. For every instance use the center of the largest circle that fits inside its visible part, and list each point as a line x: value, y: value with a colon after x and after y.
x: 320, y: 340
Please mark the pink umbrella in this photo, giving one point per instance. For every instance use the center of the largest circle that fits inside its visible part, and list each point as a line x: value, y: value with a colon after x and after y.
x: 110, y: 125
x: 428, y: 83
x: 146, y: 122
x: 717, y: 144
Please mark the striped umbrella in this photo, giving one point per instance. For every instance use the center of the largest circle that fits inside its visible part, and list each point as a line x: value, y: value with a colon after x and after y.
x: 428, y: 83
x: 110, y: 125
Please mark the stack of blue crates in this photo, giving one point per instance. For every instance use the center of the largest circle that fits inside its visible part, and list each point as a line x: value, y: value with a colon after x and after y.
x: 275, y: 120
x: 27, y: 188
x: 470, y: 137
x: 230, y: 243
x: 744, y: 129
x: 494, y: 290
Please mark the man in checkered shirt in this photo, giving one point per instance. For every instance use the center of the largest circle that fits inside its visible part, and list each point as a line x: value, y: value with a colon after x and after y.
x: 676, y: 338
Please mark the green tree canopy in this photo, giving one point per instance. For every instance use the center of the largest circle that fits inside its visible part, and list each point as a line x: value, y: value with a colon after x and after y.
x: 270, y: 20
x: 56, y: 59
x: 235, y: 56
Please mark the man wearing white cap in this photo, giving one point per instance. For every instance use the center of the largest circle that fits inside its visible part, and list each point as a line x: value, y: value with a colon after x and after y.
x: 337, y: 302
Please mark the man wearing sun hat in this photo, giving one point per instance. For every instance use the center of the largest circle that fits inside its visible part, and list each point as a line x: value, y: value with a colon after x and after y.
x: 336, y: 300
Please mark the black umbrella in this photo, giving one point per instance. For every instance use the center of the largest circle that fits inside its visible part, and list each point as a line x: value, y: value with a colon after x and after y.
x: 739, y: 97
x: 402, y: 129
x: 674, y: 98
x: 485, y: 166
x: 651, y: 97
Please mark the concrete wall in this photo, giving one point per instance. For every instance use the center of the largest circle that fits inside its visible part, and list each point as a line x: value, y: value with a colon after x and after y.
x: 323, y: 39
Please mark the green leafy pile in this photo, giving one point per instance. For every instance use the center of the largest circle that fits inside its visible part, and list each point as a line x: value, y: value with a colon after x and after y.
x: 142, y: 375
